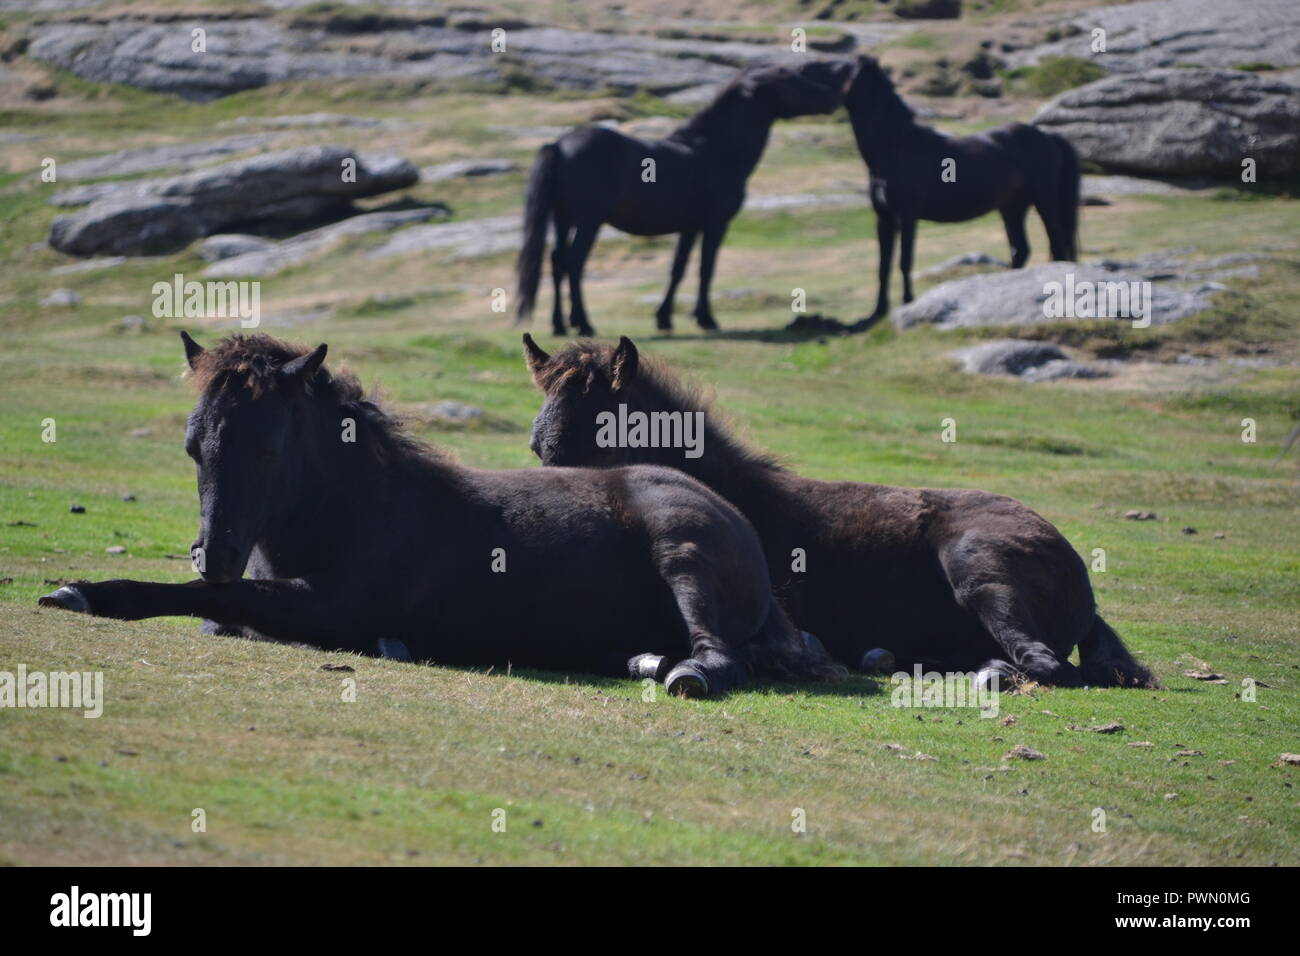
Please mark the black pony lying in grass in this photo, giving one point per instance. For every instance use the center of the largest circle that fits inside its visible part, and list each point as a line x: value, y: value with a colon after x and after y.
x: 957, y: 581
x: 695, y: 185
x: 920, y: 173
x: 380, y: 545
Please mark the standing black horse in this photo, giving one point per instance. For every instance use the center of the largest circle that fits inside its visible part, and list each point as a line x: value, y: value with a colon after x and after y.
x: 920, y: 173
x: 380, y: 545
x: 954, y: 580
x: 691, y: 183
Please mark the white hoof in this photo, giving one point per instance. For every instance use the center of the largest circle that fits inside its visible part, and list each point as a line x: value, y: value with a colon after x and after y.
x: 70, y: 599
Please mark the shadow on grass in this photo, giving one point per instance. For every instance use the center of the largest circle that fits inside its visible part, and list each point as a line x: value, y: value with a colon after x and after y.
x: 856, y: 685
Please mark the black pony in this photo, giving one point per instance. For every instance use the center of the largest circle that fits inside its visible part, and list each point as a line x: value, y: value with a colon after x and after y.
x: 691, y: 183
x: 920, y: 173
x: 357, y: 537
x: 953, y: 580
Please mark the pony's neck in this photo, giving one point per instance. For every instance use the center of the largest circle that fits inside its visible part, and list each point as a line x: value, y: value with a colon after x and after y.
x: 734, y: 126
x: 880, y: 123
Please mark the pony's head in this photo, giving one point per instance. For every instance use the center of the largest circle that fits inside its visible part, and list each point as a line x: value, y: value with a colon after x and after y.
x: 869, y: 93
x: 253, y: 392
x: 812, y: 88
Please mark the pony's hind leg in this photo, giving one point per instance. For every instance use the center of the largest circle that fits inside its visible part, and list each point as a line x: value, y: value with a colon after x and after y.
x: 584, y: 237
x: 1002, y: 613
x: 559, y: 269
x: 1013, y: 218
x: 712, y: 668
x: 1060, y: 244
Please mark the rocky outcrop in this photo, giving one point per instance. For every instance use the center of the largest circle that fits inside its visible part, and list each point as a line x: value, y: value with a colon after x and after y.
x: 1183, y: 123
x: 1056, y: 291
x: 247, y: 52
x: 1024, y: 359
x: 1166, y: 33
x: 298, y: 186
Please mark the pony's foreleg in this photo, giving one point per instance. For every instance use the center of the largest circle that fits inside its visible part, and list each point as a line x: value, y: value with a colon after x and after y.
x: 708, y: 259
x: 885, y: 237
x: 285, y: 610
x: 664, y: 314
x: 584, y: 237
x: 906, y: 245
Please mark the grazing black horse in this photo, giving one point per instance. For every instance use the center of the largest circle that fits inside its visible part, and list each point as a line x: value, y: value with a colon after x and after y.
x: 691, y: 183
x: 920, y: 173
x: 957, y: 581
x: 359, y: 538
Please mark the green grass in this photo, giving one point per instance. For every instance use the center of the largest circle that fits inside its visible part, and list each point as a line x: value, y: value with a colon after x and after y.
x: 259, y: 737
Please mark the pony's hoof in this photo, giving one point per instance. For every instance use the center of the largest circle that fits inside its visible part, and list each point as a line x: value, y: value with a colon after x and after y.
x: 652, y: 666
x: 393, y: 649
x: 877, y: 661
x: 70, y: 599
x: 686, y: 680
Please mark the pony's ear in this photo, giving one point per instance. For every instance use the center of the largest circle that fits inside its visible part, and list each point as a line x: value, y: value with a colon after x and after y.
x: 192, y: 349
x: 624, y: 363
x: 301, y: 369
x: 534, y: 356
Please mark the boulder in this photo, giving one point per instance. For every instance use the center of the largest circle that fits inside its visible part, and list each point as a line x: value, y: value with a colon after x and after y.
x: 249, y: 51
x: 466, y: 168
x: 1177, y: 122
x: 1024, y: 296
x: 1024, y: 359
x: 297, y: 186
x: 1163, y: 33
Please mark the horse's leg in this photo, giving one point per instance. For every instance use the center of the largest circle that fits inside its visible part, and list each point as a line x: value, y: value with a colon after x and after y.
x: 664, y: 314
x: 286, y: 610
x: 906, y: 243
x: 708, y: 258
x: 1047, y: 211
x: 983, y: 590
x: 559, y: 268
x: 1013, y: 218
x: 584, y: 237
x: 885, y: 237
x: 711, y: 668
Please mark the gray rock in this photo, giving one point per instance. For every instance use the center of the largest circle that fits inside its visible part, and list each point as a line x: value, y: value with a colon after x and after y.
x: 1062, y: 368
x: 247, y: 52
x: 292, y: 186
x: 451, y: 411
x: 1007, y: 356
x: 1161, y: 33
x: 466, y: 168
x: 268, y: 258
x: 1021, y: 296
x: 61, y: 298
x: 1174, y: 122
x: 228, y: 245
x: 967, y: 259
x: 182, y: 156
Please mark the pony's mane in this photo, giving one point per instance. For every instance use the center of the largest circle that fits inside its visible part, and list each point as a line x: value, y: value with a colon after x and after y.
x: 871, y: 72
x: 586, y: 362
x: 250, y: 363
x: 706, y: 117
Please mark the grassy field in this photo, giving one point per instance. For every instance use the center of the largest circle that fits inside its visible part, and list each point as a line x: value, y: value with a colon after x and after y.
x: 587, y: 770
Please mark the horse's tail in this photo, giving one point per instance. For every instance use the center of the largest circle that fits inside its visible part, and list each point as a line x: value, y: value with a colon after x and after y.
x: 1104, y: 661
x: 782, y: 651
x: 538, y: 201
x: 1068, y: 193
